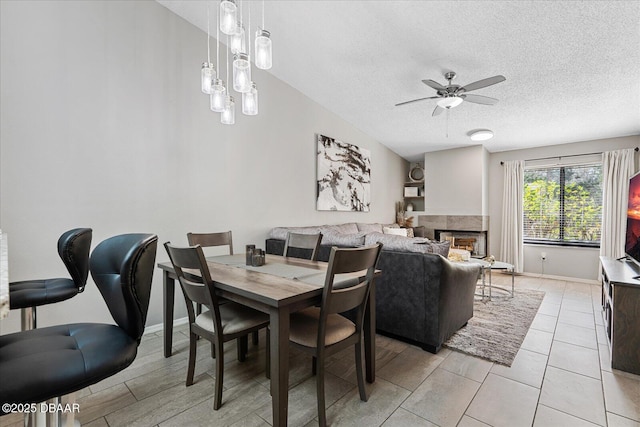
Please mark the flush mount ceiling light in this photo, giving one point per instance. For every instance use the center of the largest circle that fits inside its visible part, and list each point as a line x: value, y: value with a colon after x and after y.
x: 449, y: 102
x: 481, y: 135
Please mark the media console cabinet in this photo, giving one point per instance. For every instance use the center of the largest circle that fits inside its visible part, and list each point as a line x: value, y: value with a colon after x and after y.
x: 621, y: 312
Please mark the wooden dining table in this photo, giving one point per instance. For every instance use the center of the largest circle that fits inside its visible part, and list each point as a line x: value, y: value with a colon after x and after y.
x: 278, y: 288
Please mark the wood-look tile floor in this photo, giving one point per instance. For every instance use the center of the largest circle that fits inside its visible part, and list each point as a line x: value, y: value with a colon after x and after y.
x: 560, y: 377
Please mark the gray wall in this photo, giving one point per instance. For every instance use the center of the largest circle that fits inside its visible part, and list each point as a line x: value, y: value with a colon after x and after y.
x: 103, y: 125
x: 580, y: 263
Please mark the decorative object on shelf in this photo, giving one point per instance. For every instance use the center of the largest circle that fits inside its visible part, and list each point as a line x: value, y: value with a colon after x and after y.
x: 409, y: 207
x: 343, y: 176
x: 416, y: 174
x: 410, y: 191
x: 230, y: 22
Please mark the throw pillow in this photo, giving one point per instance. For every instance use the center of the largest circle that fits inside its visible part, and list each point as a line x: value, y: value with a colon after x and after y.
x: 395, y: 231
x: 410, y: 232
x: 369, y: 228
x: 280, y: 233
x: 348, y: 228
x: 341, y: 239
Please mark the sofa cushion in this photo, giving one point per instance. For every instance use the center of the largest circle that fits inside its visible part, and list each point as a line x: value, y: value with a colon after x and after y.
x: 369, y: 228
x: 281, y: 232
x: 348, y: 228
x: 340, y: 239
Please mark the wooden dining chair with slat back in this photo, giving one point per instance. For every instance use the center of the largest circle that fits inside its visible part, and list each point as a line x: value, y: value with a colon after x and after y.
x: 302, y: 245
x: 322, y: 331
x: 209, y: 240
x: 220, y: 323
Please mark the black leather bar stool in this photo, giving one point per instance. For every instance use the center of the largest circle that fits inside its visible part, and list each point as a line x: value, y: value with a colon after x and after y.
x: 46, y: 363
x: 73, y: 248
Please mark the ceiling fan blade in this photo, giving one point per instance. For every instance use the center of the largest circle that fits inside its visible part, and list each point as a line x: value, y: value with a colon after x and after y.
x: 483, y: 83
x: 437, y: 111
x: 416, y: 100
x: 479, y: 99
x: 437, y: 86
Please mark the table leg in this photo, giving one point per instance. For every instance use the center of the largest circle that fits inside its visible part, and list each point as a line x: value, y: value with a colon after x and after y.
x: 279, y: 342
x: 513, y: 273
x: 490, y: 284
x: 370, y: 336
x: 168, y: 288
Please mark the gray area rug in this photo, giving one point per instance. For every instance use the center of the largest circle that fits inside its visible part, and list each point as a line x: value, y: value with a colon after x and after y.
x: 498, y: 327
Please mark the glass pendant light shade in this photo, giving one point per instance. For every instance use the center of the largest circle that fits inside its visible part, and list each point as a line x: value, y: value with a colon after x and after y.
x: 250, y: 101
x: 263, y: 49
x: 228, y: 116
x: 228, y: 16
x: 241, y: 73
x: 207, y: 76
x: 237, y: 44
x: 218, y: 95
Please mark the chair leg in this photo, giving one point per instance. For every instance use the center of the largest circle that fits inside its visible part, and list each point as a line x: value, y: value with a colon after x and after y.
x: 360, y: 372
x: 192, y: 358
x: 213, y: 350
x: 243, y: 345
x: 28, y: 318
x: 322, y: 416
x: 255, y: 338
x: 217, y: 397
x: 314, y: 365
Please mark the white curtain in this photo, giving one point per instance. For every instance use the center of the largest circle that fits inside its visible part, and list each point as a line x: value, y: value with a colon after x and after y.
x: 617, y: 168
x: 511, y: 249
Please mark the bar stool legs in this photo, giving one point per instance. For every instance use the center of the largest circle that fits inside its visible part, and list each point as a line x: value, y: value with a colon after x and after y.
x: 28, y: 318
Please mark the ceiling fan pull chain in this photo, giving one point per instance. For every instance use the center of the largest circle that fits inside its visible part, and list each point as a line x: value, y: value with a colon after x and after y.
x: 447, y: 130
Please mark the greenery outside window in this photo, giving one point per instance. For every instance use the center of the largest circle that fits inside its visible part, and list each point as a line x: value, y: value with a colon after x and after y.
x: 563, y: 205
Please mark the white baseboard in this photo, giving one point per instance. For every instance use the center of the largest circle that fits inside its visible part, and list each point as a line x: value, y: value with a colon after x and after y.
x: 160, y: 326
x: 568, y: 279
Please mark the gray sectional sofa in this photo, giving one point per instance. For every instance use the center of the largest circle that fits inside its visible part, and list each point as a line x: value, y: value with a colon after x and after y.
x: 421, y: 296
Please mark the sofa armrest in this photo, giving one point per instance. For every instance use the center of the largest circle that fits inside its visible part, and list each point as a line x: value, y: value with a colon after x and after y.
x: 457, y: 290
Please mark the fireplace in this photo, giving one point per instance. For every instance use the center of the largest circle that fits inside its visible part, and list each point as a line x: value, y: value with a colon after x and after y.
x: 472, y: 241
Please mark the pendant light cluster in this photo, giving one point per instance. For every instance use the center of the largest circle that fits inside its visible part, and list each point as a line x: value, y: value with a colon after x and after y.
x: 230, y: 23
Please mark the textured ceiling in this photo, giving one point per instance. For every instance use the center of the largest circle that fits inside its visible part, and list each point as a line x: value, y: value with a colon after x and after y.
x: 572, y: 68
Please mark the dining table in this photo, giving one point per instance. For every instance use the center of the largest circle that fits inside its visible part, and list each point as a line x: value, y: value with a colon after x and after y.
x: 281, y: 286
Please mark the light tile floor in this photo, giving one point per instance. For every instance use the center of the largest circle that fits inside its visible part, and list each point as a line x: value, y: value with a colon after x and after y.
x: 560, y: 377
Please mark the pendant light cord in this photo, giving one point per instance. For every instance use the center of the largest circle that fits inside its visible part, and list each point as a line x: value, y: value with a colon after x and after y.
x: 208, y: 36
x: 263, y: 14
x: 248, y: 34
x: 218, y: 38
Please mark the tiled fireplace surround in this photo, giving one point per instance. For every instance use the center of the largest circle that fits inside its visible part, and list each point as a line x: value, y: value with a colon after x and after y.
x: 455, y: 223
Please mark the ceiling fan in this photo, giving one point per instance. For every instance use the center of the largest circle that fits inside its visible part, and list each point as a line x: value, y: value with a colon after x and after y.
x: 453, y: 95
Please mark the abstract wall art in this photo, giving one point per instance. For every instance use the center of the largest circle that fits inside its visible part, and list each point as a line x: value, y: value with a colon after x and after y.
x: 344, y: 176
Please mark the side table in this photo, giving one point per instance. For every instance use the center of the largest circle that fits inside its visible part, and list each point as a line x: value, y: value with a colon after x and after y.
x: 496, y: 265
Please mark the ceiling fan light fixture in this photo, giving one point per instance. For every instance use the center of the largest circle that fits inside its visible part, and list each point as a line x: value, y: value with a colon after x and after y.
x: 481, y: 135
x: 449, y: 102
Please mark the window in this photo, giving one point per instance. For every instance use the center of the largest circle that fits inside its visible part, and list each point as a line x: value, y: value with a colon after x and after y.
x: 563, y: 205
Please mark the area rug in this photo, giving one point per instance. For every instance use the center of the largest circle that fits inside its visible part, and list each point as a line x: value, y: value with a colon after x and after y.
x: 498, y: 327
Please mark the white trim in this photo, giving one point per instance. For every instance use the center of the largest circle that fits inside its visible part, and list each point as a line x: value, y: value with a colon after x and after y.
x: 565, y: 278
x: 160, y: 326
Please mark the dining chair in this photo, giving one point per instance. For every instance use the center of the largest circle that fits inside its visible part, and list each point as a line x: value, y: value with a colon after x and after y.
x: 41, y: 364
x: 221, y: 322
x: 303, y: 245
x: 73, y: 248
x: 322, y: 331
x: 211, y: 239
x: 207, y: 240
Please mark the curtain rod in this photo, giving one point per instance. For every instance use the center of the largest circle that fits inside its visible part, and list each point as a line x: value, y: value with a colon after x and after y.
x: 560, y: 157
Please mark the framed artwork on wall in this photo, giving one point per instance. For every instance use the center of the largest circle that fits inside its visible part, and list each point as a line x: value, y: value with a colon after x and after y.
x: 343, y: 176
